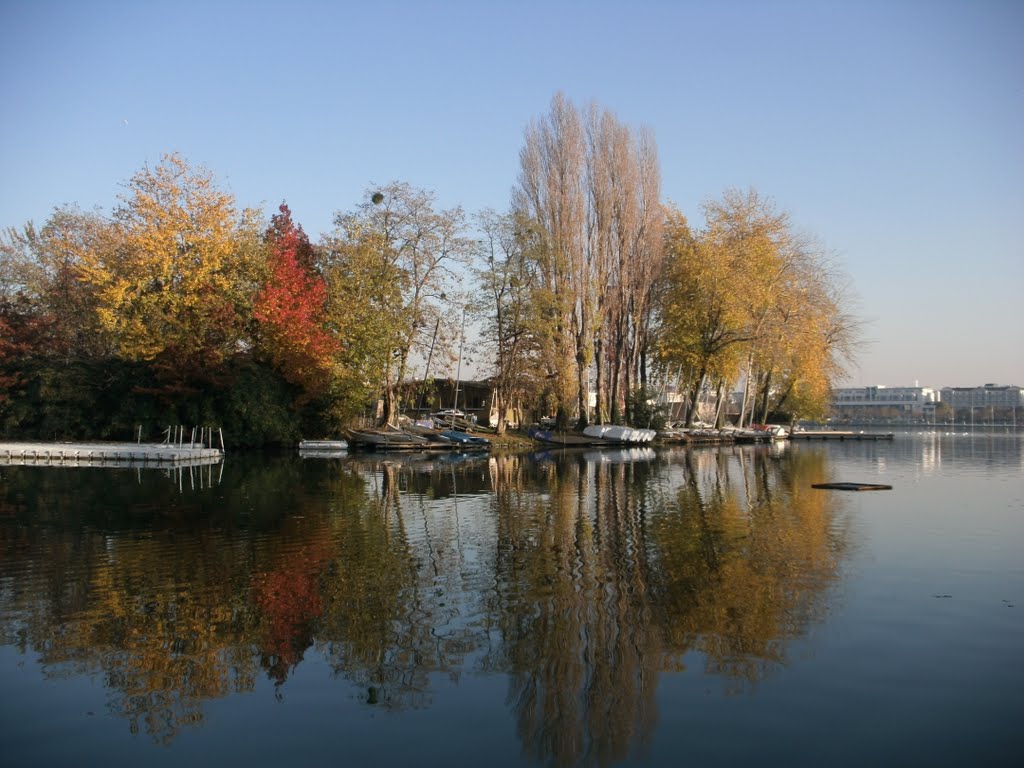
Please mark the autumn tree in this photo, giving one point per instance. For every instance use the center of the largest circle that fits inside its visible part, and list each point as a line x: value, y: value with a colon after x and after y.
x: 751, y: 300
x: 624, y: 183
x: 291, y: 309
x: 48, y: 262
x: 54, y: 356
x: 362, y: 293
x: 702, y: 322
x: 551, y: 193
x: 507, y: 277
x: 590, y: 187
x: 811, y: 339
x: 173, y: 281
x: 799, y: 333
x: 395, y: 254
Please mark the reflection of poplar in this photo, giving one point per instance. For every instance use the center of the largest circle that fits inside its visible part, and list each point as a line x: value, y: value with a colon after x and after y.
x: 604, y: 584
x: 576, y: 622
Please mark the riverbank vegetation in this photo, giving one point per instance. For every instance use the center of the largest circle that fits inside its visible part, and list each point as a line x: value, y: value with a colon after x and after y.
x: 179, y: 308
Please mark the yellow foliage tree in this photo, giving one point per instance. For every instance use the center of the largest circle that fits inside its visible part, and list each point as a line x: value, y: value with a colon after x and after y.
x: 704, y: 322
x: 749, y: 299
x: 174, y: 276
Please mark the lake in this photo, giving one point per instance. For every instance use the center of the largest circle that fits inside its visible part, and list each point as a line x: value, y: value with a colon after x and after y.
x: 647, y: 606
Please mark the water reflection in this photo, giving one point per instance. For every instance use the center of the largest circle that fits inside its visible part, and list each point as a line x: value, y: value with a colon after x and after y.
x: 582, y: 577
x: 619, y: 571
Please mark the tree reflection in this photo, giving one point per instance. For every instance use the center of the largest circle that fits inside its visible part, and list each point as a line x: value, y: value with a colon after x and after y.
x: 581, y: 576
x: 171, y: 610
x: 571, y: 607
x: 393, y: 600
x: 622, y: 569
x: 745, y: 555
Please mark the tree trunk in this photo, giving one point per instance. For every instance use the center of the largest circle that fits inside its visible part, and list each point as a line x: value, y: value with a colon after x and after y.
x: 501, y: 408
x: 720, y: 411
x: 390, y: 406
x: 766, y: 385
x: 694, y: 396
x: 584, y: 394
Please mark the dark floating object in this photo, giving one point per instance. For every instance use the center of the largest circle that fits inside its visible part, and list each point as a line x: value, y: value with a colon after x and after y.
x: 852, y: 486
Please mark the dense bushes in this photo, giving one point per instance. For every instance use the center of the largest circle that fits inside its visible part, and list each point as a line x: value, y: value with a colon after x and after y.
x: 111, y: 399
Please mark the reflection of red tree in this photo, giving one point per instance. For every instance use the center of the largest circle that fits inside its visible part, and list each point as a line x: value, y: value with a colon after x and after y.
x: 290, y: 600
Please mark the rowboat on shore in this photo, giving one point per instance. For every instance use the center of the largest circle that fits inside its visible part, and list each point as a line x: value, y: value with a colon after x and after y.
x: 567, y: 439
x: 384, y: 439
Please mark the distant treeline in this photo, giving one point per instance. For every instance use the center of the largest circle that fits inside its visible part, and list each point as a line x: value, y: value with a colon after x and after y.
x: 177, y: 308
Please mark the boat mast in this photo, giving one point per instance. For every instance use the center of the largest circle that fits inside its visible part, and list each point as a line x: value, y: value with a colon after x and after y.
x: 458, y: 374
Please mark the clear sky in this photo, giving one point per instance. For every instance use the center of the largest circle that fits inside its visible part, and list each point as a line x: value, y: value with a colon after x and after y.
x: 891, y: 130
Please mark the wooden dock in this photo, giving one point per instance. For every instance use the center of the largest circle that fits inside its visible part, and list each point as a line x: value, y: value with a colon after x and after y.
x: 835, y: 434
x: 108, y: 454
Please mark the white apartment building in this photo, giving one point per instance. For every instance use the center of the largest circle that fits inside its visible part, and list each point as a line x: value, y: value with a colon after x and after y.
x: 884, y: 402
x: 991, y: 396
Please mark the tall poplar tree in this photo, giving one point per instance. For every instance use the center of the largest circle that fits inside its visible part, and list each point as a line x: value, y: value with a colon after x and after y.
x: 589, y: 186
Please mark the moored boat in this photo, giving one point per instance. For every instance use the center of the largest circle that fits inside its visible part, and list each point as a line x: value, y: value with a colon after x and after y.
x: 568, y: 439
x: 750, y: 435
x: 465, y: 440
x: 317, y: 448
x: 426, y: 429
x: 384, y: 439
x: 619, y: 434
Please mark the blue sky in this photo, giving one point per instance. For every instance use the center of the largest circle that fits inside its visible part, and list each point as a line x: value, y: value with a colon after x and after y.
x: 891, y: 130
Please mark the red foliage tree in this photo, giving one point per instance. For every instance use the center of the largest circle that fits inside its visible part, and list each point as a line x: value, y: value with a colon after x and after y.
x: 25, y: 331
x: 290, y: 309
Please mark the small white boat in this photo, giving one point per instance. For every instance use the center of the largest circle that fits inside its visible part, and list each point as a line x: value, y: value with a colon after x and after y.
x: 323, y: 446
x: 618, y: 434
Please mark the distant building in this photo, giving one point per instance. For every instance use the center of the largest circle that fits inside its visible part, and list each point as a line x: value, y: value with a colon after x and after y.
x: 990, y: 400
x: 879, y: 402
x: 988, y: 403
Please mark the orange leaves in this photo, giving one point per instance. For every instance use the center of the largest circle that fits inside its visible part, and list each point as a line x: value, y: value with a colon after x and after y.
x: 290, y: 309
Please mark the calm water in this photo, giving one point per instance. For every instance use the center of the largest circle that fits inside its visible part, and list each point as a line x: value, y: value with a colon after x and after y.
x: 564, y: 608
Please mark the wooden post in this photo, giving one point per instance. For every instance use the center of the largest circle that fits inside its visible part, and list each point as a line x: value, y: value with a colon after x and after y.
x: 221, y: 433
